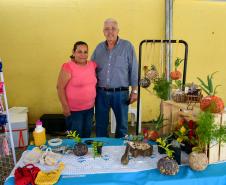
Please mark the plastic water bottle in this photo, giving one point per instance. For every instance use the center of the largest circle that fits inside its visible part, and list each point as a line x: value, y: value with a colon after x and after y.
x: 39, y: 134
x: 39, y: 127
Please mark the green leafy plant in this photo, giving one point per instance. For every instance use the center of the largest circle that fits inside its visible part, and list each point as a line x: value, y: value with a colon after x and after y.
x: 181, y: 134
x: 176, y: 75
x: 177, y: 63
x: 96, y: 146
x: 163, y: 144
x: 211, y: 102
x: 178, y: 84
x: 162, y: 87
x: 158, y: 123
x: 74, y: 135
x: 185, y: 131
x: 208, y: 131
x: 208, y: 87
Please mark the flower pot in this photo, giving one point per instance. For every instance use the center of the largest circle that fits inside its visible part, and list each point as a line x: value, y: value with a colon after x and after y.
x: 167, y: 166
x: 198, y: 161
x: 80, y: 149
x: 99, y: 150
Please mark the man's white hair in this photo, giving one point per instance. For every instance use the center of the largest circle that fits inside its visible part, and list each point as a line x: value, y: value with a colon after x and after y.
x: 111, y: 20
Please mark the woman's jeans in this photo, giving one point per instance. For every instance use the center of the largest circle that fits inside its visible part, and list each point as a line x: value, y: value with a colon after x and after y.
x: 118, y: 101
x: 81, y: 121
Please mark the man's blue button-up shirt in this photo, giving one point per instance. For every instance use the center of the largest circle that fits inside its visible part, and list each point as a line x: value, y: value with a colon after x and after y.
x: 117, y: 67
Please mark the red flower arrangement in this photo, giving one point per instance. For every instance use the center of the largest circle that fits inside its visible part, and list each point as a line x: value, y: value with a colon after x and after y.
x: 185, y: 133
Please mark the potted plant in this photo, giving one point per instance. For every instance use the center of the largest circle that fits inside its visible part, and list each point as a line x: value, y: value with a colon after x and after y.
x: 145, y: 82
x: 185, y: 134
x: 80, y: 148
x: 162, y: 87
x: 178, y: 94
x: 167, y: 165
x: 163, y: 142
x: 210, y: 102
x: 149, y: 76
x: 207, y: 131
x: 176, y: 75
x: 97, y: 148
x: 152, y: 73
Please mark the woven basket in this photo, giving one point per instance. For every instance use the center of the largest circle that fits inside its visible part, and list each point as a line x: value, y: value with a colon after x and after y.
x: 194, y: 98
x: 180, y: 98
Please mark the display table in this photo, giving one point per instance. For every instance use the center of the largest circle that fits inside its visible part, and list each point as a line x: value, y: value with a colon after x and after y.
x: 214, y: 174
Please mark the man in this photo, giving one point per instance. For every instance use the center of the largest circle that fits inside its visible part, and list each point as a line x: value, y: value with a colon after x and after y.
x: 117, y: 69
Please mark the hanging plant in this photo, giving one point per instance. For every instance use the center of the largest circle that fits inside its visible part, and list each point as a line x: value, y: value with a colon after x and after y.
x: 162, y: 87
x: 176, y: 75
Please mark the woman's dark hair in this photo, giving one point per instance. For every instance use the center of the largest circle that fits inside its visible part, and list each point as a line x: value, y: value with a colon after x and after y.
x: 79, y: 43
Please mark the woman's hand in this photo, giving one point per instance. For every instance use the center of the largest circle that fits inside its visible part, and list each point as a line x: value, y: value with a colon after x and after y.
x: 66, y: 111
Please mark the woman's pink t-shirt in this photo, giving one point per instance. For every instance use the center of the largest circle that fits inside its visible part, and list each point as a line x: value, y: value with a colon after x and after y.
x: 81, y: 88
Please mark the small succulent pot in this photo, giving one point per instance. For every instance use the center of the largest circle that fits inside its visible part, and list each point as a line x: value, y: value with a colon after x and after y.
x: 168, y: 166
x: 198, y: 161
x: 80, y: 149
x: 99, y: 149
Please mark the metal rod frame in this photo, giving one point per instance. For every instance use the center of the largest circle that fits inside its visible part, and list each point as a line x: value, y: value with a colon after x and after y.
x: 139, y: 70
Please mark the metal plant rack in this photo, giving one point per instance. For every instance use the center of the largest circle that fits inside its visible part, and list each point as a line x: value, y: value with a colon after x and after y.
x: 139, y: 69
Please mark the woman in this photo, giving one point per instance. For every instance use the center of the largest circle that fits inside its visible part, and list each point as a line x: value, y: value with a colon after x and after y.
x: 76, y: 88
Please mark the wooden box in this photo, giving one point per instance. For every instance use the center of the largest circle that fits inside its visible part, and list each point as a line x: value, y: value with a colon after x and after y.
x: 172, y: 111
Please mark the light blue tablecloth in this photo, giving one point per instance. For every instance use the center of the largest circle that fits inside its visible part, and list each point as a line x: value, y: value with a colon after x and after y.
x: 215, y: 174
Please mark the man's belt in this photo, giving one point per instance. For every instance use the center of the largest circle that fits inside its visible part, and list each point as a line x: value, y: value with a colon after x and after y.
x: 114, y: 89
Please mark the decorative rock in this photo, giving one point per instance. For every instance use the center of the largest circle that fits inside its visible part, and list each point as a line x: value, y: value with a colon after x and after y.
x: 167, y: 166
x: 198, y: 161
